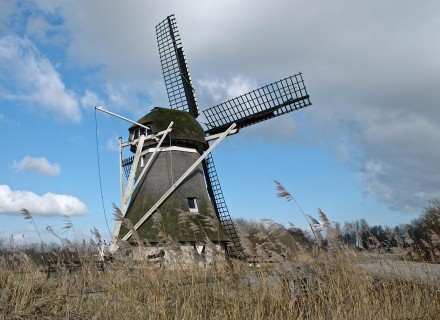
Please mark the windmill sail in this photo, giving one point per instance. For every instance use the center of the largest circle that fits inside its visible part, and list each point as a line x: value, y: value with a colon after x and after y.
x: 267, y: 102
x: 126, y: 165
x: 181, y: 97
x: 174, y: 67
x: 221, y: 209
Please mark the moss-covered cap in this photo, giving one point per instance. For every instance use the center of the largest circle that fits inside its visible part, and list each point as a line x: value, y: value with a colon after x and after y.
x: 186, y: 129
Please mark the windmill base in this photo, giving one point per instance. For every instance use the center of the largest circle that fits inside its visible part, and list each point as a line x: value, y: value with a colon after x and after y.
x: 179, y: 255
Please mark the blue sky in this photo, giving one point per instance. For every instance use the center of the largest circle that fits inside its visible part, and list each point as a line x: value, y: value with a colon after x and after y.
x: 366, y: 148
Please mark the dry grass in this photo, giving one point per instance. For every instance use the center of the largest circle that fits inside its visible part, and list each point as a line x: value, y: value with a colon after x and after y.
x: 330, y: 285
x: 288, y: 279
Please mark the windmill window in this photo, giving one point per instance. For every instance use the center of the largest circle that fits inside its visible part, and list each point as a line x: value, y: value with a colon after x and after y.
x: 141, y: 131
x: 192, y: 205
x: 145, y: 131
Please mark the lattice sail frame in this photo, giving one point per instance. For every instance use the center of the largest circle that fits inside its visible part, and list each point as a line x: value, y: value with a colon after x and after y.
x: 216, y: 194
x: 174, y: 67
x: 126, y: 165
x: 270, y: 101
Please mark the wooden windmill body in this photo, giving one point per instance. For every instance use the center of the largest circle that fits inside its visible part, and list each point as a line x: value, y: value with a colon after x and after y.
x: 172, y: 191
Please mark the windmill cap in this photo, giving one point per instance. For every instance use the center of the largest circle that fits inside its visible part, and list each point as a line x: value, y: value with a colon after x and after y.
x: 186, y: 131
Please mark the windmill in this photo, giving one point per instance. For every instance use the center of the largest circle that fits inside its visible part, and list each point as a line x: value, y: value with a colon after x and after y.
x: 172, y: 171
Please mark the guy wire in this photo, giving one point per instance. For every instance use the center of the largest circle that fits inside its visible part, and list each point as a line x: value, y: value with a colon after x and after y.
x: 99, y: 174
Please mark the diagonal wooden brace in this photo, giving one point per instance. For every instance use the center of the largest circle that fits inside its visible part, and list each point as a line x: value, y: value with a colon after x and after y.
x: 129, y: 190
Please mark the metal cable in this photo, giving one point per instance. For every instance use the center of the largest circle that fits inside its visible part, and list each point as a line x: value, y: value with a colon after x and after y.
x: 99, y: 174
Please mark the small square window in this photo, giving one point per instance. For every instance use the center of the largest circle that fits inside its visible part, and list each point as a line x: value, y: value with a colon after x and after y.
x: 192, y: 205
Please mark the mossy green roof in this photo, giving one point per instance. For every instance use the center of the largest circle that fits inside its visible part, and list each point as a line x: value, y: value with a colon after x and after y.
x: 185, y: 128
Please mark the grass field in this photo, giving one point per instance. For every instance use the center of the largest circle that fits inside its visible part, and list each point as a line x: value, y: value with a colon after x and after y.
x: 336, y: 284
x: 284, y: 276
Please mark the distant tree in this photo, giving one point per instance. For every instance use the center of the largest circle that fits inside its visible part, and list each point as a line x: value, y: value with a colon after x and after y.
x: 363, y: 230
x: 428, y: 222
x: 338, y: 230
x: 430, y: 219
x: 378, y: 232
x: 398, y: 236
x: 301, y: 236
x: 425, y: 232
x: 349, y: 234
x: 266, y: 237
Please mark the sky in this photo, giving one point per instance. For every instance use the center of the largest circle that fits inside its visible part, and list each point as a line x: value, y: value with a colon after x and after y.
x: 367, y: 147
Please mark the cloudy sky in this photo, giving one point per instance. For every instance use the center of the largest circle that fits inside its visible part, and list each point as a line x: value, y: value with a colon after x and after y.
x: 367, y: 148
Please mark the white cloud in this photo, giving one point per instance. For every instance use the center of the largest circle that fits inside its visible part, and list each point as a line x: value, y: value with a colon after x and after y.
x: 31, y: 77
x: 281, y: 130
x: 218, y: 90
x: 112, y: 143
x: 38, y: 165
x: 38, y: 27
x: 48, y: 204
x: 90, y: 100
x: 126, y: 96
x: 7, y: 9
